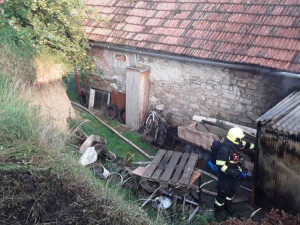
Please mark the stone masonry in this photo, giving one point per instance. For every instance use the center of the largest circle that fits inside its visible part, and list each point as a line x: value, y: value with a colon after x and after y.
x: 185, y: 89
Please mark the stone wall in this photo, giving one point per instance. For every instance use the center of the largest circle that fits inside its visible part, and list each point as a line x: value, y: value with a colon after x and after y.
x: 185, y: 89
x: 110, y: 70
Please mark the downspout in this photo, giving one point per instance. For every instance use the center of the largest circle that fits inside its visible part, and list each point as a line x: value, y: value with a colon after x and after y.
x: 243, y: 67
x: 77, y: 82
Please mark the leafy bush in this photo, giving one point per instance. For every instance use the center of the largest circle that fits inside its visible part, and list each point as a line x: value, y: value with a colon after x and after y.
x: 48, y: 25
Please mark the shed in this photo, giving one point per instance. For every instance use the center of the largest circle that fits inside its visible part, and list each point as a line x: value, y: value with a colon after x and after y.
x: 277, y: 171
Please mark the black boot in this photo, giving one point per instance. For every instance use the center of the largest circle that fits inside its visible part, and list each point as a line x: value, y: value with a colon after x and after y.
x: 218, y: 212
x: 228, y: 207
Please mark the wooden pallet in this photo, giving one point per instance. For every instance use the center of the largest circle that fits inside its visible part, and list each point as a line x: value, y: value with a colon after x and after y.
x: 171, y: 168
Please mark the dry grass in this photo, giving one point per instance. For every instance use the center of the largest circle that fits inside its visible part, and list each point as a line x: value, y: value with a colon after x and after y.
x: 16, y: 62
x: 50, y: 68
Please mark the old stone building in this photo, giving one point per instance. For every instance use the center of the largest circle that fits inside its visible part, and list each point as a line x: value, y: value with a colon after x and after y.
x: 231, y: 60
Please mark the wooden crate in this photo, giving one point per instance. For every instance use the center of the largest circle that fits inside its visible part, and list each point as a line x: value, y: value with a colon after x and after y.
x: 171, y: 168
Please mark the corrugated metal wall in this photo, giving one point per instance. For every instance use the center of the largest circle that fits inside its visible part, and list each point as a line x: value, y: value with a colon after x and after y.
x: 277, y: 178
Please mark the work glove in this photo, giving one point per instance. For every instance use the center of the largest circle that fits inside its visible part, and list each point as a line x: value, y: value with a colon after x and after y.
x: 243, y: 175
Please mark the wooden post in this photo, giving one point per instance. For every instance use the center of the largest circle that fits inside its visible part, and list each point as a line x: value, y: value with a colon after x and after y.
x: 137, y: 95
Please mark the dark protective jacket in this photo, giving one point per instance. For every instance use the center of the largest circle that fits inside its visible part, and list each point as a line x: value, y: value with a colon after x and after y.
x: 228, y: 158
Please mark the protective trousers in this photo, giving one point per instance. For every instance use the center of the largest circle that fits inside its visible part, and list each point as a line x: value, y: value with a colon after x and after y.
x: 226, y: 189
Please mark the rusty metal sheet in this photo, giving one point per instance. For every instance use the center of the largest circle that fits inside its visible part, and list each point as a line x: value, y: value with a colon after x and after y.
x: 119, y: 99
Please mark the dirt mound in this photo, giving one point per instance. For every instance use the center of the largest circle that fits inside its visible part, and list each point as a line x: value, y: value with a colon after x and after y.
x: 48, y: 92
x: 54, y: 102
x: 42, y: 198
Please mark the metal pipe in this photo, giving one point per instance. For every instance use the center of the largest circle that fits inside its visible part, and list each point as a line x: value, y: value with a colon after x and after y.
x: 186, y: 200
x: 77, y: 82
x: 237, y: 66
x: 113, y: 130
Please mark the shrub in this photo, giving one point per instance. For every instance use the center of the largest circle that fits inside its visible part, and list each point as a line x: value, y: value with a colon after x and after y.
x: 46, y: 25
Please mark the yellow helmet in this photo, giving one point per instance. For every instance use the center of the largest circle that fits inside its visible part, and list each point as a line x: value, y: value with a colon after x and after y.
x: 235, y: 135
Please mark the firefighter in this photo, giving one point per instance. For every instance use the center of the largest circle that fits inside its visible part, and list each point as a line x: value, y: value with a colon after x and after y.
x: 231, y: 168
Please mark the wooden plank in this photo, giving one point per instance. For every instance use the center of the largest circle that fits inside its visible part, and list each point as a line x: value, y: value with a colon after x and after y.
x: 92, y: 98
x: 188, y: 170
x: 179, y: 168
x: 139, y: 171
x: 132, y: 99
x: 162, y: 165
x: 171, y: 167
x: 195, y: 176
x: 152, y: 166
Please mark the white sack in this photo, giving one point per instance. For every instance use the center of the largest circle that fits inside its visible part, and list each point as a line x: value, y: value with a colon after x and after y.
x: 88, y: 157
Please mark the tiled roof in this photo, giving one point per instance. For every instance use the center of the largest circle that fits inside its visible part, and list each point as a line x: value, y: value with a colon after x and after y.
x: 259, y: 32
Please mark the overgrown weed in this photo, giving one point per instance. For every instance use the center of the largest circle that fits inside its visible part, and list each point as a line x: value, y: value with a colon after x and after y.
x: 16, y: 61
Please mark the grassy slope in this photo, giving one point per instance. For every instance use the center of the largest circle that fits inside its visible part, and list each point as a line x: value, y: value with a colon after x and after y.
x: 30, y: 142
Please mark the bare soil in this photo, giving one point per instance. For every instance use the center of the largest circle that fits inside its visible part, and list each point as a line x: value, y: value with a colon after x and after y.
x: 54, y: 103
x: 42, y: 198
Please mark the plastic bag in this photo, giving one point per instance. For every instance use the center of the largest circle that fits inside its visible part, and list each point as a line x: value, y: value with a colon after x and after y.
x: 88, y: 157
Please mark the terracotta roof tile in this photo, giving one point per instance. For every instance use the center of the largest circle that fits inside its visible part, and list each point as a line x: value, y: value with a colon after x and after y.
x: 172, y: 23
x: 261, y: 32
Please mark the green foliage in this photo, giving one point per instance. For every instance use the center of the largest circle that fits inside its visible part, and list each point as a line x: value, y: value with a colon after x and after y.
x: 128, y: 160
x: 70, y: 84
x: 48, y: 24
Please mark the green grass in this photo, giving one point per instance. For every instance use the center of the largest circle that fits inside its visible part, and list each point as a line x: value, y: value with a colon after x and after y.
x: 70, y: 84
x: 112, y: 123
x: 114, y: 142
x: 136, y: 139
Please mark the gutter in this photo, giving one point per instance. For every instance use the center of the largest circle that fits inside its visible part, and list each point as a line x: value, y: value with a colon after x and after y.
x: 243, y: 67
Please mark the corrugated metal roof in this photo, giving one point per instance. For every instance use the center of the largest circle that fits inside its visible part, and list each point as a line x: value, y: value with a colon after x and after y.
x: 285, y: 116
